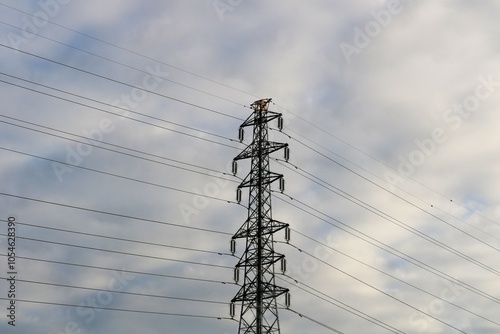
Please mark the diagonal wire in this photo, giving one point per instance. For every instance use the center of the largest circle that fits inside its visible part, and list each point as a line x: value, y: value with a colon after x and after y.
x: 109, y: 112
x: 122, y: 270
x: 122, y: 64
x: 381, y: 162
x: 119, y: 309
x: 120, y: 239
x: 122, y: 253
x: 131, y: 51
x: 110, y: 144
x: 121, y: 82
x: 118, y: 292
x: 118, y: 107
x: 120, y: 176
x: 112, y: 214
x: 395, y: 252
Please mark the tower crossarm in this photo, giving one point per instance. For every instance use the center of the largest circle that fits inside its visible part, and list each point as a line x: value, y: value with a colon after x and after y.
x: 267, y: 148
x: 266, y: 179
x: 247, y: 230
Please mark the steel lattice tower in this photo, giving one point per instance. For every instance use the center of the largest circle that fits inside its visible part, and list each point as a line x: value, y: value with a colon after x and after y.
x: 258, y: 294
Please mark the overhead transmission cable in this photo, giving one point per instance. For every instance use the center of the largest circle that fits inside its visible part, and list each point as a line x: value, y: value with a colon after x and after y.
x: 142, y: 242
x: 493, y: 271
x: 126, y: 110
x: 392, y: 277
x: 349, y: 197
x: 390, y: 218
x: 378, y: 290
x: 420, y: 208
x: 113, y: 214
x: 376, y: 176
x: 135, y: 294
x: 123, y: 253
x: 391, y: 250
x: 122, y: 270
x: 133, y: 52
x: 187, y: 315
x: 121, y: 82
x: 433, y: 241
x: 124, y: 153
x: 113, y: 145
x: 396, y: 195
x: 335, y: 302
x: 109, y: 112
x: 312, y: 319
x: 230, y: 87
x: 121, y: 176
x: 383, y: 163
x: 123, y: 64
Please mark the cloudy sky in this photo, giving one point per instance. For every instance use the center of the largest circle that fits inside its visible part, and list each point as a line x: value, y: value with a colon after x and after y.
x: 120, y: 119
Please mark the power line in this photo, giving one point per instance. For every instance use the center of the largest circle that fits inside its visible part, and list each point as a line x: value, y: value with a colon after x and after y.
x: 332, y: 301
x: 121, y: 239
x: 133, y: 52
x: 388, y: 275
x: 411, y: 229
x: 376, y: 176
x: 110, y: 144
x: 120, y: 310
x: 423, y: 210
x: 393, y: 220
x: 383, y: 163
x: 224, y: 114
x: 123, y: 270
x: 121, y: 82
x: 213, y: 81
x: 120, y: 108
x: 395, y: 252
x: 303, y: 119
x: 313, y: 320
x: 113, y: 214
x: 122, y: 253
x: 123, y: 153
x: 298, y: 116
x: 120, y: 176
x: 119, y: 292
x: 404, y: 200
x: 122, y: 64
x: 354, y: 199
x: 457, y: 253
x: 377, y: 289
x: 109, y: 112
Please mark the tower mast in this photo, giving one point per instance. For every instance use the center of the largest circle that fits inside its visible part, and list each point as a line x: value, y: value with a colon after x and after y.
x: 259, y: 292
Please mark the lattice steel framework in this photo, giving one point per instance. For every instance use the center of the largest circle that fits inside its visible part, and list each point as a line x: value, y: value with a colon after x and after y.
x: 258, y: 294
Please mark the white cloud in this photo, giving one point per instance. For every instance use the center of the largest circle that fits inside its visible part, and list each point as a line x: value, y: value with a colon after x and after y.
x: 394, y: 91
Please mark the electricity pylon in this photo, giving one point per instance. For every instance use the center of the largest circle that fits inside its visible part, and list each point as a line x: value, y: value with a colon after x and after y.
x: 258, y: 294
